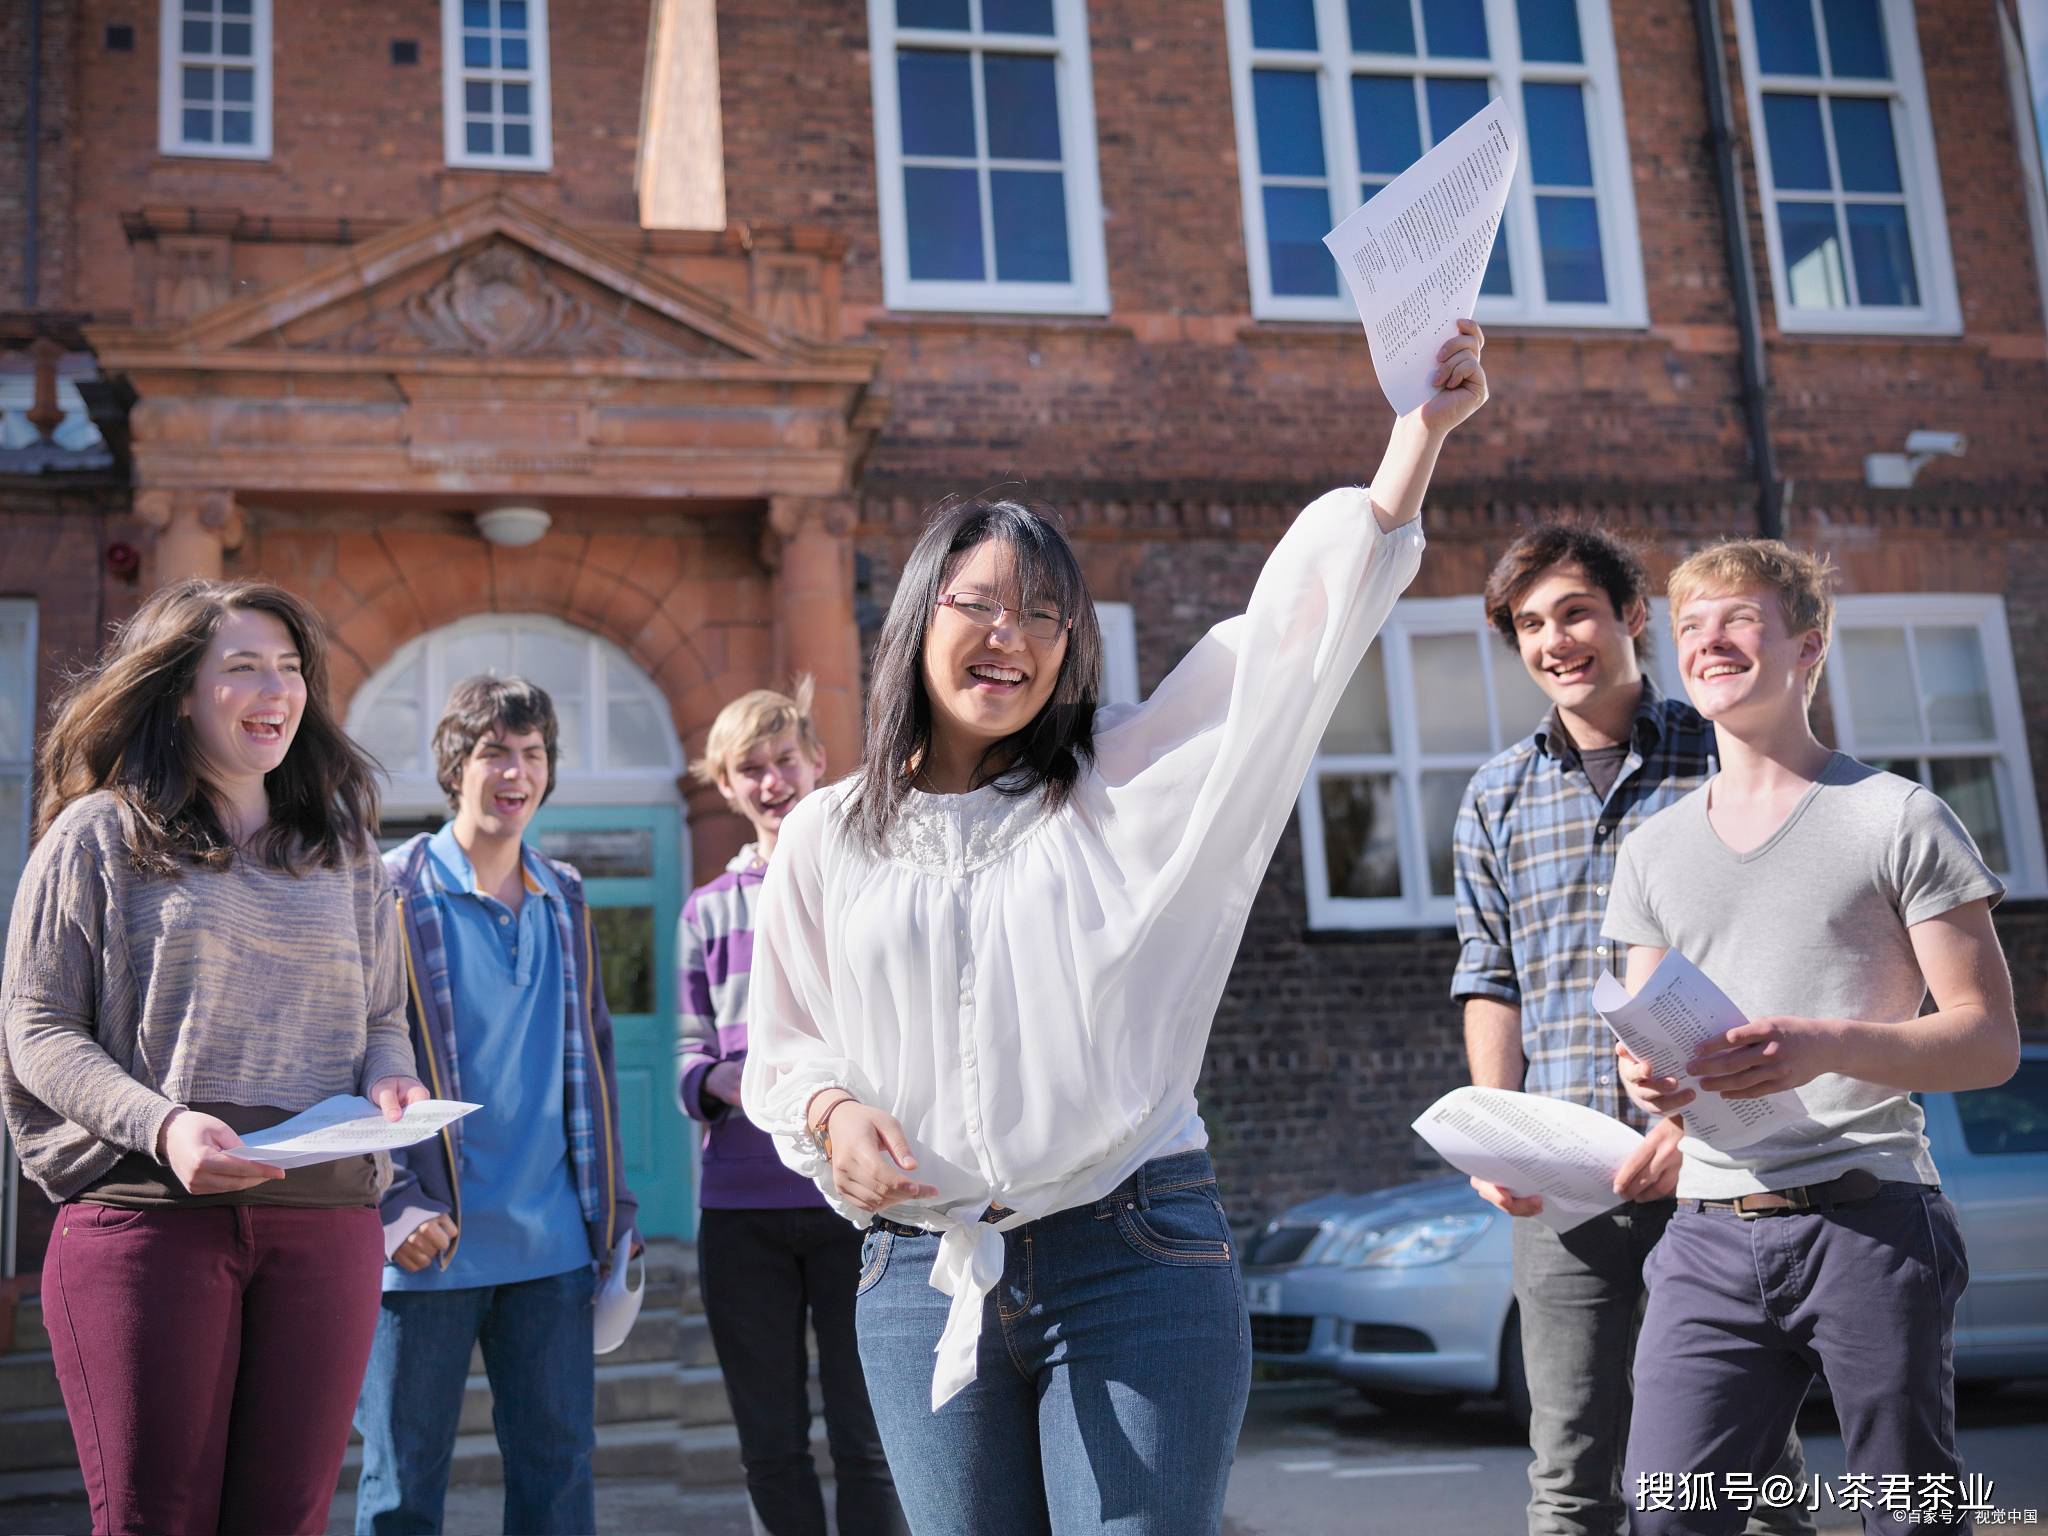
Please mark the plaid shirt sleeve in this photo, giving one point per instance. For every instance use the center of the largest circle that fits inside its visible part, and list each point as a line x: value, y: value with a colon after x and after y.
x: 697, y: 1047
x: 1486, y: 956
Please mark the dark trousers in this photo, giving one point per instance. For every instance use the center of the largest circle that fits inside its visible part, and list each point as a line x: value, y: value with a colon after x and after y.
x: 210, y: 1359
x: 762, y: 1271
x: 1744, y: 1313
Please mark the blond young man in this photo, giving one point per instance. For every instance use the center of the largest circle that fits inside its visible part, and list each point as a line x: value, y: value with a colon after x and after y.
x: 769, y: 1249
x: 1828, y: 899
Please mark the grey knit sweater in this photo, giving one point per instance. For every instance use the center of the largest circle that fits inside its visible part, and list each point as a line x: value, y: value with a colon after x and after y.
x: 127, y: 994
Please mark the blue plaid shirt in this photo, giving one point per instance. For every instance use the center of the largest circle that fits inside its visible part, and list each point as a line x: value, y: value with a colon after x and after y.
x: 1534, y: 850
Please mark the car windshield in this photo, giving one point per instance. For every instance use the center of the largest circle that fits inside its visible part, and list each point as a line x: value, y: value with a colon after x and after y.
x: 2011, y: 1118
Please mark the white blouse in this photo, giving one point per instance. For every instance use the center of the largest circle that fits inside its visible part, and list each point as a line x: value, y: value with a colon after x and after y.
x: 1030, y: 995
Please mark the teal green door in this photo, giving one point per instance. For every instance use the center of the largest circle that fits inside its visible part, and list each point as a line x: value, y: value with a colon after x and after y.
x: 630, y: 857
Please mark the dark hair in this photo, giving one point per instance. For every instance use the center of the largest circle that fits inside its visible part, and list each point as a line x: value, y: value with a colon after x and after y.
x: 117, y: 730
x: 1045, y: 757
x: 485, y: 703
x: 1613, y: 566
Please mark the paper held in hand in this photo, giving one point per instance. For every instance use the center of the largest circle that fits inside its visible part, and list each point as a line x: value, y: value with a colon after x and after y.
x: 1678, y: 1009
x: 1564, y: 1152
x: 347, y: 1125
x: 1415, y: 254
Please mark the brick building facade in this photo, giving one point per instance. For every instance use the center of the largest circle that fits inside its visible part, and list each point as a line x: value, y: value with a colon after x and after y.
x: 332, y: 284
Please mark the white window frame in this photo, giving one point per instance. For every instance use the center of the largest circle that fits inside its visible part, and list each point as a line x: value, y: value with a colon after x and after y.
x: 1119, y: 628
x: 1416, y: 907
x: 19, y: 757
x: 1087, y: 292
x: 454, y: 74
x: 1939, y: 313
x: 1621, y: 253
x: 171, y: 60
x: 2013, y: 771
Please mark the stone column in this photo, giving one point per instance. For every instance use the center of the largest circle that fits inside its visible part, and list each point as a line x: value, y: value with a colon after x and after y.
x: 808, y: 544
x: 194, y: 529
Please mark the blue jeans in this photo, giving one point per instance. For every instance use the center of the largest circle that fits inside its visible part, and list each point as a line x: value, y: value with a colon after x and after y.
x: 536, y: 1338
x: 1115, y: 1359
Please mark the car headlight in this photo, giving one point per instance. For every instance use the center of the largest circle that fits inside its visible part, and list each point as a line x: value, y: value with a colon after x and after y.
x: 1425, y: 1240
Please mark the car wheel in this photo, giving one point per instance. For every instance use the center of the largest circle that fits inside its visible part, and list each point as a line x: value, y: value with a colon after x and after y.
x: 1514, y: 1375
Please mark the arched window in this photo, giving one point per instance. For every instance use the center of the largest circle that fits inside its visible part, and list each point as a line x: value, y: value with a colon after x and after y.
x: 617, y: 742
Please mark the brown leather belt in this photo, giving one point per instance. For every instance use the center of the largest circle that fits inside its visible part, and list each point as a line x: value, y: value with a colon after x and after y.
x: 993, y: 1214
x: 1852, y: 1188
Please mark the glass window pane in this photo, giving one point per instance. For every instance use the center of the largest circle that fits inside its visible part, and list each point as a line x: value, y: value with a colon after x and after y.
x: 633, y: 735
x: 625, y: 953
x: 480, y: 138
x: 1856, y: 44
x: 234, y: 7
x: 476, y: 97
x: 198, y: 125
x: 1450, y: 694
x: 601, y: 853
x: 1519, y: 705
x: 238, y: 85
x: 1452, y: 103
x: 1283, y: 24
x: 1970, y: 786
x: 559, y: 663
x: 2010, y: 1120
x: 476, y: 13
x: 1290, y: 126
x: 476, y: 51
x: 1952, y: 682
x: 1023, y: 107
x: 1297, y: 218
x: 518, y: 99
x: 237, y: 128
x: 936, y: 91
x: 1361, y: 726
x: 1382, y: 26
x: 1441, y: 792
x: 1799, y: 152
x: 1031, y: 226
x: 1550, y: 31
x: 1863, y: 144
x: 1569, y: 230
x: 1785, y: 44
x: 949, y: 15
x: 942, y: 207
x: 569, y: 717
x: 1813, y: 255
x: 518, y: 138
x: 1389, y: 137
x: 512, y: 15
x: 235, y: 39
x: 1558, y: 153
x: 1883, y: 251
x: 1030, y: 16
x: 1455, y: 29
x: 17, y: 693
x: 476, y: 653
x: 1361, y: 854
x: 13, y: 833
x: 197, y: 36
x: 512, y: 52
x: 1875, y: 666
x: 198, y: 83
x: 1498, y: 279
x: 391, y: 729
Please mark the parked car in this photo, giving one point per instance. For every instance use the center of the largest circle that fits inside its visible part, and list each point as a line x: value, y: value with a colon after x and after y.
x: 1406, y: 1292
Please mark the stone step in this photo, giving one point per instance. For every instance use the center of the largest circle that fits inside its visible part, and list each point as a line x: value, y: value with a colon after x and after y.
x: 29, y: 1333
x: 711, y: 1454
x: 36, y: 1440
x: 623, y: 1450
x: 39, y: 1487
x: 28, y: 1380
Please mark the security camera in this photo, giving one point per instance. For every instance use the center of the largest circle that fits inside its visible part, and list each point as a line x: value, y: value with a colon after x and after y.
x: 1930, y: 443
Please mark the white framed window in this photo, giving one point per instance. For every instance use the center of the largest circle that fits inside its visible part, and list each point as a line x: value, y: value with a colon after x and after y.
x: 213, y: 86
x: 1924, y: 685
x: 1119, y: 652
x: 1853, y: 214
x: 1334, y: 98
x: 617, y: 737
x: 17, y: 738
x: 494, y: 84
x: 1436, y: 696
x: 985, y: 156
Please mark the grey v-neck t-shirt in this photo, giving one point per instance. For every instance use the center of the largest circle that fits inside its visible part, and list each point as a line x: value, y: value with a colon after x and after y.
x: 1812, y: 923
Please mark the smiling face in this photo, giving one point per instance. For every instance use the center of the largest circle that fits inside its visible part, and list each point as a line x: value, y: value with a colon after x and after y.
x: 986, y: 684
x: 1578, y: 649
x: 246, y: 700
x: 503, y: 780
x: 1741, y: 659
x: 765, y: 782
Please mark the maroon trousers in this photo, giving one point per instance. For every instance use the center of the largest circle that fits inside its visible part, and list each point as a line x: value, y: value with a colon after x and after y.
x: 210, y: 1359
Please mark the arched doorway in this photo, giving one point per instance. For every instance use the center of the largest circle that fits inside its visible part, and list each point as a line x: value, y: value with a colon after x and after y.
x: 615, y: 814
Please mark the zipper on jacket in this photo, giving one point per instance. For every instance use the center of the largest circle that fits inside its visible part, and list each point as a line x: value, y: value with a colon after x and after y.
x: 604, y: 1098
x: 419, y: 1004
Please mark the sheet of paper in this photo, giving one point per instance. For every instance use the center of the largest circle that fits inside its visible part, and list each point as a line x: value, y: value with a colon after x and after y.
x: 347, y: 1125
x: 1564, y: 1152
x: 1664, y: 1024
x: 1415, y: 254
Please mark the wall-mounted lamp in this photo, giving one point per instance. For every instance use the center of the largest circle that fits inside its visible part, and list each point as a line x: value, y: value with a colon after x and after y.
x: 512, y: 527
x: 1895, y: 471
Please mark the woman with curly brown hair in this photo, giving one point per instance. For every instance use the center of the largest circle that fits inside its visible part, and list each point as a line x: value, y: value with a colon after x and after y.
x: 204, y: 944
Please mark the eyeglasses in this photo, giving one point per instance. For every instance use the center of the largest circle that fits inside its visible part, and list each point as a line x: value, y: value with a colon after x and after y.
x: 1038, y: 624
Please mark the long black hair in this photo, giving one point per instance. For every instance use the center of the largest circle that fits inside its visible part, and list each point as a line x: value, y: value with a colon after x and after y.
x: 1046, y: 756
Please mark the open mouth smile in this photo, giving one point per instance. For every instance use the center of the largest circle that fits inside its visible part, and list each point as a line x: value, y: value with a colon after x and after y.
x: 1571, y: 671
x: 1721, y: 669
x: 509, y: 802
x: 265, y: 728
x: 994, y: 678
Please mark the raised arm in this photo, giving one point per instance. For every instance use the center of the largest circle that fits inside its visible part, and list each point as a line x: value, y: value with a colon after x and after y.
x: 1417, y: 438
